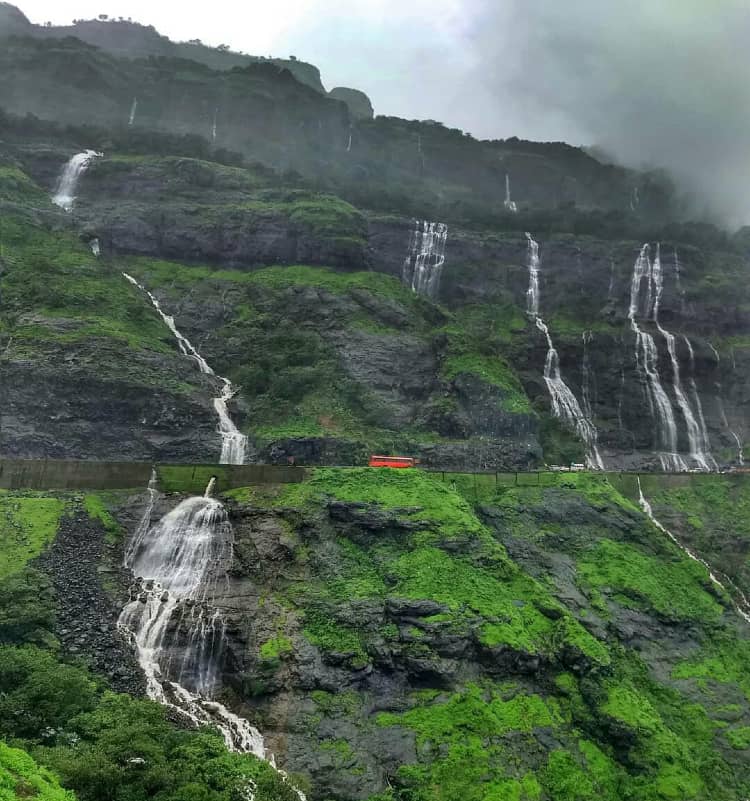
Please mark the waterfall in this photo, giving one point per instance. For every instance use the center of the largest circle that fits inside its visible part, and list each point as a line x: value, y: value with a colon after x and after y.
x: 564, y: 403
x: 64, y: 196
x: 635, y: 199
x: 233, y: 443
x: 697, y: 435
x: 213, y: 126
x: 704, y: 440
x: 424, y: 262
x: 95, y: 247
x: 647, y: 359
x: 743, y: 604
x: 509, y: 204
x: 133, y: 109
x: 610, y: 290
x: 349, y: 143
x: 178, y: 633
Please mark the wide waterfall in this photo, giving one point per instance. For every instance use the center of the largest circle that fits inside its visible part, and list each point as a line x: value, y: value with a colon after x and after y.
x: 424, y: 262
x: 565, y: 406
x: 740, y: 600
x: 647, y: 363
x: 508, y: 203
x: 172, y: 620
x: 65, y: 191
x: 233, y: 443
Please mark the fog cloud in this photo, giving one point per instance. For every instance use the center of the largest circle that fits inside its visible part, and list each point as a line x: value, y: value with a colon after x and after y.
x: 654, y: 82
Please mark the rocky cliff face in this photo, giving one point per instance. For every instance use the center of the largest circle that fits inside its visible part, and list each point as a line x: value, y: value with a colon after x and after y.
x: 402, y: 632
x: 459, y: 383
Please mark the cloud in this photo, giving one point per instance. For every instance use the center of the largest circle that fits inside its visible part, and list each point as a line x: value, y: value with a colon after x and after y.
x: 655, y: 82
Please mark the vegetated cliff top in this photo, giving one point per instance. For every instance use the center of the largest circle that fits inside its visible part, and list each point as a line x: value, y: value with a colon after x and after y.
x: 126, y: 38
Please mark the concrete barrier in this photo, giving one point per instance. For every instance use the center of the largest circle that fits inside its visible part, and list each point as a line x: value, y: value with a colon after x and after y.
x: 69, y: 474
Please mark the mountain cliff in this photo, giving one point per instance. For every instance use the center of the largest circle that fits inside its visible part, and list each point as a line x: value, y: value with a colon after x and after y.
x: 197, y: 245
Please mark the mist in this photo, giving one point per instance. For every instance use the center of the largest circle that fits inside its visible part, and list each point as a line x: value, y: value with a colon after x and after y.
x: 654, y: 83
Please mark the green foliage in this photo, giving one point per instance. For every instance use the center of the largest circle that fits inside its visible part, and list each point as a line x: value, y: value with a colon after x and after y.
x: 739, y: 738
x: 21, y: 777
x: 334, y: 638
x: 27, y: 608
x: 106, y: 746
x: 28, y: 523
x: 276, y: 647
x: 96, y: 508
x: 421, y: 496
x: 674, y: 587
x: 38, y: 695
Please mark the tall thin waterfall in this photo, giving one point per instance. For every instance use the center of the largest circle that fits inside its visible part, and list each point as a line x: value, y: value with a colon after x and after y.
x: 172, y: 620
x: 213, y: 125
x: 740, y: 600
x: 233, y: 443
x: 424, y: 262
x: 647, y: 363
x: 564, y: 403
x: 647, y: 360
x: 696, y: 433
x: 133, y: 109
x: 508, y: 203
x: 65, y: 191
x: 704, y: 442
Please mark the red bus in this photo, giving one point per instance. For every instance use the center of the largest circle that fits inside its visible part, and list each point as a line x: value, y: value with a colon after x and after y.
x: 392, y: 461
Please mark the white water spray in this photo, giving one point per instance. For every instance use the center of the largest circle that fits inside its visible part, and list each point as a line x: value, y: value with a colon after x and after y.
x: 65, y: 191
x: 565, y: 406
x: 743, y: 604
x: 696, y: 433
x: 508, y: 203
x: 171, y: 619
x: 647, y: 360
x: 424, y: 262
x: 233, y: 443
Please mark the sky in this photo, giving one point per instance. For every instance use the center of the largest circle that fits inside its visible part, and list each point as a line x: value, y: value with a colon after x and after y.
x: 653, y: 82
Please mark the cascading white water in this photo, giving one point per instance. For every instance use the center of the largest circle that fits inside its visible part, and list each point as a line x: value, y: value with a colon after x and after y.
x: 647, y: 360
x: 171, y: 619
x: 704, y: 441
x: 213, y: 125
x: 743, y: 604
x: 696, y: 433
x: 65, y: 191
x: 95, y: 247
x: 565, y: 406
x: 233, y: 443
x: 424, y: 262
x: 508, y: 203
x: 133, y: 109
x: 635, y: 199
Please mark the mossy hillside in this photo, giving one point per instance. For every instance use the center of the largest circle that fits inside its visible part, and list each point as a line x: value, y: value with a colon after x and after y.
x: 74, y: 298
x: 28, y: 523
x: 702, y: 510
x: 480, y: 341
x: 444, y: 555
x: 280, y: 340
x: 18, y: 189
x: 21, y: 777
